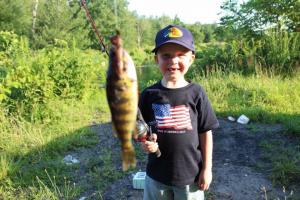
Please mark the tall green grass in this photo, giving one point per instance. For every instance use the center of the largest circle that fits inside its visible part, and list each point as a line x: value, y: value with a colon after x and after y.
x: 262, y: 98
x: 275, y: 52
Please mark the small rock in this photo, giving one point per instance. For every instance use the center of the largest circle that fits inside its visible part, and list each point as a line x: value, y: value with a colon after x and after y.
x: 230, y: 118
x: 69, y: 160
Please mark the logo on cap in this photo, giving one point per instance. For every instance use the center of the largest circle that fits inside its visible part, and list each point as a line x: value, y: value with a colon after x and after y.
x: 173, y: 32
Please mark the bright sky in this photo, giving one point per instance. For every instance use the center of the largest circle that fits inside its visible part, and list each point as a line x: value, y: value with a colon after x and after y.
x: 189, y: 11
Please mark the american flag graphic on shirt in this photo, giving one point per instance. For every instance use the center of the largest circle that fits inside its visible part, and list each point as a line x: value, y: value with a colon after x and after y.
x: 177, y: 117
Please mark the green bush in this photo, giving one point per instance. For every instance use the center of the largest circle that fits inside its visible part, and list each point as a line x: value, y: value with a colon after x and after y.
x: 141, y: 56
x: 22, y: 84
x: 276, y: 52
x: 29, y: 79
x: 279, y: 51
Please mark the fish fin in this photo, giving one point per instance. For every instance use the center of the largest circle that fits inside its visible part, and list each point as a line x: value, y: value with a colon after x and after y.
x: 135, y: 134
x: 114, y: 130
x: 128, y: 159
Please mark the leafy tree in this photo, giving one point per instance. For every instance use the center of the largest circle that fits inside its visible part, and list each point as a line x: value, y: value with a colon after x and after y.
x: 15, y: 16
x: 127, y: 24
x: 107, y: 15
x: 144, y: 33
x: 59, y: 21
x: 177, y: 21
x: 255, y: 16
x: 197, y: 31
x: 161, y: 22
x: 209, y: 31
x: 224, y: 33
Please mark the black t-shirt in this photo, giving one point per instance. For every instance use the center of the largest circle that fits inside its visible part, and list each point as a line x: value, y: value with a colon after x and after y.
x: 180, y: 115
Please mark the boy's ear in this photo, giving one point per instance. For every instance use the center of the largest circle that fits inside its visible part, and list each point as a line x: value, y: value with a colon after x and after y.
x: 192, y: 58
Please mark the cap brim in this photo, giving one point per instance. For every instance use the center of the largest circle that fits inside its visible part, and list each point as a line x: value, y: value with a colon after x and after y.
x: 173, y: 41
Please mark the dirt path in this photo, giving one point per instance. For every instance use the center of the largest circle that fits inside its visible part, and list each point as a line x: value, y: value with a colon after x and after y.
x: 240, y: 172
x: 237, y: 153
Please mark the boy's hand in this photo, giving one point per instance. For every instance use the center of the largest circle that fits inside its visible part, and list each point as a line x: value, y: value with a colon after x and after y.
x: 150, y: 146
x: 205, y: 179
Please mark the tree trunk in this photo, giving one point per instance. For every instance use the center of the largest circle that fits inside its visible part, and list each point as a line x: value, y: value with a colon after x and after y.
x: 34, y: 14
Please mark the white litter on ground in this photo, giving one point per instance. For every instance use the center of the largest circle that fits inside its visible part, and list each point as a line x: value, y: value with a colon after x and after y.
x: 69, y: 160
x: 243, y: 119
x: 230, y: 118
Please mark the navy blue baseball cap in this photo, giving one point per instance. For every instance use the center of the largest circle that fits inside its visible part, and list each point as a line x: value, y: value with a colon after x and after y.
x: 174, y: 34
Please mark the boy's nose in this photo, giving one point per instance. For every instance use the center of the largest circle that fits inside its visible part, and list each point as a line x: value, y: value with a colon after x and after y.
x: 174, y: 60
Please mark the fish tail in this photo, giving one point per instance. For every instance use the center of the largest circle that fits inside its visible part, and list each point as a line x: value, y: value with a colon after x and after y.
x: 128, y: 158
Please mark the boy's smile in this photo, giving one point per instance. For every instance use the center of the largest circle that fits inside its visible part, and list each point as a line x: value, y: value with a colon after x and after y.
x: 174, y: 61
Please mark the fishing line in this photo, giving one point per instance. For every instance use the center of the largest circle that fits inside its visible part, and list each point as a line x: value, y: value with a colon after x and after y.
x: 99, y: 36
x: 116, y: 13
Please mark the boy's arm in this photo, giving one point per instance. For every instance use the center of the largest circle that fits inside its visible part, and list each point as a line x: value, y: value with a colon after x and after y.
x: 206, y: 144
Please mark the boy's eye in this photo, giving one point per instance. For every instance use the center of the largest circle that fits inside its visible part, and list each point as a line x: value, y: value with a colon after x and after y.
x: 168, y: 56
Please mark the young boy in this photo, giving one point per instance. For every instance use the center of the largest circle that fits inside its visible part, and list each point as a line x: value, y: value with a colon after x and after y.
x: 183, y: 119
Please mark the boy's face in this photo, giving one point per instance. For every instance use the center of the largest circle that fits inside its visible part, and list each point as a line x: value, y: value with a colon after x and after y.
x: 174, y: 61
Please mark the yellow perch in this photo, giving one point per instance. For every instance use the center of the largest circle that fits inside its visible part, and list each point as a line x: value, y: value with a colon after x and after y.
x: 122, y: 96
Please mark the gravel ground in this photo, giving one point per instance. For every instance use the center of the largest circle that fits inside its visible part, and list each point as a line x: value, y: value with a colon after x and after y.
x: 240, y: 170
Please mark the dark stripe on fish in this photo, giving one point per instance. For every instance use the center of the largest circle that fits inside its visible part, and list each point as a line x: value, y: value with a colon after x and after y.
x: 122, y: 121
x: 122, y: 112
x: 118, y: 101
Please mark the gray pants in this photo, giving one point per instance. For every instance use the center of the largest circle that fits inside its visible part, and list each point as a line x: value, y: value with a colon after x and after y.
x: 157, y: 191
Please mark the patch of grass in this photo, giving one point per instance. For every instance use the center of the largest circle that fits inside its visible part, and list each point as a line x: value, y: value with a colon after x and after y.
x: 269, y: 145
x: 28, y: 149
x: 286, y: 168
x: 284, y: 159
x: 103, y: 175
x: 68, y: 190
x: 41, y: 190
x: 253, y: 128
x: 263, y: 99
x: 286, y: 171
x: 286, y: 194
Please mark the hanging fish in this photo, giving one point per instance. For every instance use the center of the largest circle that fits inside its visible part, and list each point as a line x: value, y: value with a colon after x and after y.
x: 122, y: 96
